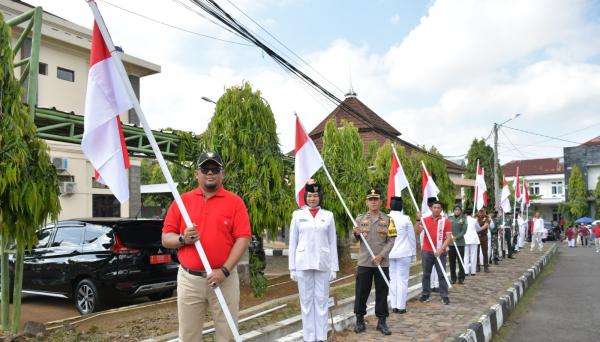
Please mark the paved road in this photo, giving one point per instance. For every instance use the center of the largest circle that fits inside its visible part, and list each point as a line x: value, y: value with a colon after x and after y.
x: 567, y: 302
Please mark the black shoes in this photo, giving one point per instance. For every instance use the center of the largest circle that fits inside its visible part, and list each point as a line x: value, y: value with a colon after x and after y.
x: 446, y: 300
x: 381, y: 326
x: 453, y: 281
x: 399, y: 311
x: 424, y: 298
x: 461, y: 281
x: 360, y: 325
x: 435, y: 289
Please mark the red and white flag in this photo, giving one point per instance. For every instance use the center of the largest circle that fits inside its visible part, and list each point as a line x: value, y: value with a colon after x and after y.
x: 397, y: 180
x: 480, y: 188
x: 429, y: 189
x: 505, y: 197
x: 307, y: 161
x: 103, y: 143
x: 517, y: 186
x: 526, y: 201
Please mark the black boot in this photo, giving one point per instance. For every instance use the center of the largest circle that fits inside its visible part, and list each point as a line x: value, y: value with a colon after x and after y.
x: 381, y: 326
x: 360, y: 324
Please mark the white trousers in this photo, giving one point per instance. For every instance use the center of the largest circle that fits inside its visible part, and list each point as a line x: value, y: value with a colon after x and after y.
x: 470, y: 258
x: 536, y: 239
x: 521, y: 237
x: 313, y: 286
x: 399, y: 271
x: 571, y: 242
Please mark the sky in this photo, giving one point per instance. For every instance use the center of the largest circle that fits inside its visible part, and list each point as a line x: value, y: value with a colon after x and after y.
x: 442, y: 72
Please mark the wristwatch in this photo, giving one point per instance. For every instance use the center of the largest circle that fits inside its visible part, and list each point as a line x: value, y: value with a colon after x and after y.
x: 181, y: 240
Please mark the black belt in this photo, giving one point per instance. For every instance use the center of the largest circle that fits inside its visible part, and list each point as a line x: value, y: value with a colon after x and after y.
x: 193, y: 272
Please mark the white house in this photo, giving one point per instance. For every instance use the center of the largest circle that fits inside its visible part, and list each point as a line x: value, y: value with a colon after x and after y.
x: 545, y: 179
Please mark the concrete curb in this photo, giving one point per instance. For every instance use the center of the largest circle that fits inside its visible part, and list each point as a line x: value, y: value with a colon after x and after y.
x: 490, y: 322
x: 276, y: 251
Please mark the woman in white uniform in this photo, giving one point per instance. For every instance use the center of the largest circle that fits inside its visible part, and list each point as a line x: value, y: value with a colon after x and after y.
x: 403, y: 253
x: 313, y: 261
x: 471, y: 244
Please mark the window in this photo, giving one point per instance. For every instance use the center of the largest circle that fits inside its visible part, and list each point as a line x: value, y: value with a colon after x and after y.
x: 43, y: 237
x: 93, y: 232
x: 105, y: 206
x: 557, y: 188
x: 43, y: 68
x: 68, y: 236
x: 65, y: 74
x: 534, y: 188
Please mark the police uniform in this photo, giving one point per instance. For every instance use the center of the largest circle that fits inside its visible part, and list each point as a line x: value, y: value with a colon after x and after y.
x: 375, y: 230
x: 313, y: 262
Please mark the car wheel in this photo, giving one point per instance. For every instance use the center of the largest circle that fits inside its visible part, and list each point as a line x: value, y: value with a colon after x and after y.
x: 161, y: 295
x: 86, y: 297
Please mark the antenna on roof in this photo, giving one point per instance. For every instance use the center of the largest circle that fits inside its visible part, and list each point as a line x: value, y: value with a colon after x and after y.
x: 351, y: 92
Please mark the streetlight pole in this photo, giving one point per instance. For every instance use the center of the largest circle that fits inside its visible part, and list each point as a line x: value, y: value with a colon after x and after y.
x: 496, y: 190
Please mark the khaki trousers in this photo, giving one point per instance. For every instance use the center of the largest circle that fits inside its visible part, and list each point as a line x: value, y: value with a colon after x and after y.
x: 194, y: 296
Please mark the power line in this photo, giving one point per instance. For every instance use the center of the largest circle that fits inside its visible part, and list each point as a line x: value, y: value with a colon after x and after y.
x: 173, y: 26
x: 513, y: 145
x: 542, y: 135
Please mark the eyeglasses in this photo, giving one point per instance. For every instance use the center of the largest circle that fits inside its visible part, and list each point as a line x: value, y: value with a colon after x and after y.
x: 214, y: 170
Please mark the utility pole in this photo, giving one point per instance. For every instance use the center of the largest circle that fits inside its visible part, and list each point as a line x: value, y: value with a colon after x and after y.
x: 496, y: 194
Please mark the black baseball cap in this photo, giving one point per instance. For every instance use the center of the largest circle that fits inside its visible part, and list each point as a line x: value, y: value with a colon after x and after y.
x: 374, y: 193
x: 206, y: 156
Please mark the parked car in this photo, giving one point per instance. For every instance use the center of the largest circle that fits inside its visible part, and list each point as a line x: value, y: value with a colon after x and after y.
x: 92, y: 260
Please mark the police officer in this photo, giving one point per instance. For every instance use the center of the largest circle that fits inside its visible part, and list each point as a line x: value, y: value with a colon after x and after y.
x: 374, y: 227
x: 508, y: 234
x: 459, y: 228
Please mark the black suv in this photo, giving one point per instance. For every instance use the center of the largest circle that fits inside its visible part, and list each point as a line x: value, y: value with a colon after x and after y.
x: 97, y: 259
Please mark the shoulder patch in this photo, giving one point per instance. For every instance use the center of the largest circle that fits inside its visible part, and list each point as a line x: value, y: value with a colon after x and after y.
x: 391, y: 232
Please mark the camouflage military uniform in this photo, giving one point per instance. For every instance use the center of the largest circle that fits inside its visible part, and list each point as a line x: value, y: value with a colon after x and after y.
x: 494, y: 231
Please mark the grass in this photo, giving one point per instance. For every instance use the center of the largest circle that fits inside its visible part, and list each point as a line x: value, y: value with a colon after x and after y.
x: 523, y: 305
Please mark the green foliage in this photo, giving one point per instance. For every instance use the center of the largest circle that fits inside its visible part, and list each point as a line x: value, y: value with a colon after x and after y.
x: 343, y: 154
x: 29, y: 184
x: 479, y: 150
x: 577, y: 193
x: 244, y: 133
x: 258, y: 281
x: 436, y: 166
x: 597, y: 197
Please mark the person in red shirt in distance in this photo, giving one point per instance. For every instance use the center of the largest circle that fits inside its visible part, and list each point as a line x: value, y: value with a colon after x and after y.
x: 440, y: 230
x: 596, y: 232
x: 221, y: 223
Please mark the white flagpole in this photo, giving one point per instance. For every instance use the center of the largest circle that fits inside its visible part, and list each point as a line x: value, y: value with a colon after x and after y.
x: 136, y: 105
x: 514, y: 207
x: 355, y: 225
x: 412, y: 196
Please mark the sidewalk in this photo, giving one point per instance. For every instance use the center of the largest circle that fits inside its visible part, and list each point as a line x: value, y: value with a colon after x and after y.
x: 434, y: 321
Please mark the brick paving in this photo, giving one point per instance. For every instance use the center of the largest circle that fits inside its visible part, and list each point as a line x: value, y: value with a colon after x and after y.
x: 434, y: 321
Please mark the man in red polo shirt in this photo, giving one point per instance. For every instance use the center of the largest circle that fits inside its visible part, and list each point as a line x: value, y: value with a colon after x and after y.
x: 221, y: 223
x: 440, y: 230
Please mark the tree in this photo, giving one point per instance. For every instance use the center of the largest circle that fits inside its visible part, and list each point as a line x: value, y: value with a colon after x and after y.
x: 28, y: 182
x: 343, y: 154
x: 597, y: 198
x: 244, y: 133
x: 577, y: 193
x: 479, y: 150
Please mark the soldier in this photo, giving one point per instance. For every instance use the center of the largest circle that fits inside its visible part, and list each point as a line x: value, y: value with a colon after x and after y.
x: 494, y: 228
x: 459, y: 228
x: 374, y: 227
x: 484, y: 223
x: 508, y: 234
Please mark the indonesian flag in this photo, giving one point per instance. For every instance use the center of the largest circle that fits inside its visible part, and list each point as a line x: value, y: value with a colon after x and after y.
x: 517, y: 186
x: 480, y: 187
x: 103, y: 143
x: 397, y: 180
x: 307, y: 161
x: 429, y: 189
x: 526, y: 201
x: 505, y: 197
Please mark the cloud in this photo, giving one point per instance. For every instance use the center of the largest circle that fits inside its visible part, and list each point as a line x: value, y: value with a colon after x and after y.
x: 395, y: 19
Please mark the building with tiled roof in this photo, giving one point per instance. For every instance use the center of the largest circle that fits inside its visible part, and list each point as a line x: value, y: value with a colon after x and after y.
x: 372, y: 127
x: 546, y: 183
x: 587, y: 157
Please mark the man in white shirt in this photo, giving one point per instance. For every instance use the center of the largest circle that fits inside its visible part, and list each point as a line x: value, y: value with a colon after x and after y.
x: 538, y: 230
